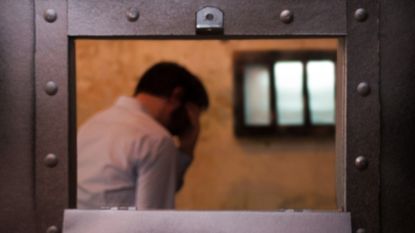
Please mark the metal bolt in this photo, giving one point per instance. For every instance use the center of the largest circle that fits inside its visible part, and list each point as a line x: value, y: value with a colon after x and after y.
x: 361, y: 15
x: 363, y: 88
x: 133, y: 14
x: 286, y: 16
x: 50, y: 160
x: 52, y: 229
x: 361, y: 163
x: 361, y: 230
x: 51, y: 88
x: 50, y: 15
x: 209, y: 16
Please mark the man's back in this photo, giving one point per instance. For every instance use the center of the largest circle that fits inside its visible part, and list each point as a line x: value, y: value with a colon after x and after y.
x: 125, y: 158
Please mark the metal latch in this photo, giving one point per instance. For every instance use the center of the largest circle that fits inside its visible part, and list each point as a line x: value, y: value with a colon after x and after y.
x: 209, y: 20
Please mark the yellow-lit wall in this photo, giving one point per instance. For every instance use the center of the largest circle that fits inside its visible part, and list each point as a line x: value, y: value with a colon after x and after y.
x: 227, y: 173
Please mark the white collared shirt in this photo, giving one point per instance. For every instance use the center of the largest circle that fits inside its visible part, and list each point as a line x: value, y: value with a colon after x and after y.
x: 126, y: 158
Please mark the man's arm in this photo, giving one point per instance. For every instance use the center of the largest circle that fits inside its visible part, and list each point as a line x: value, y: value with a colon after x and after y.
x: 188, y: 143
x: 156, y: 181
x: 183, y: 163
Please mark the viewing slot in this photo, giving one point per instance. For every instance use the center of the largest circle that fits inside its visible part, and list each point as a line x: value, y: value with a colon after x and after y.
x: 256, y: 149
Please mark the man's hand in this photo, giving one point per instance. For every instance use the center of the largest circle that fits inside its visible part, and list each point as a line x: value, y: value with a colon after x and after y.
x: 189, y: 138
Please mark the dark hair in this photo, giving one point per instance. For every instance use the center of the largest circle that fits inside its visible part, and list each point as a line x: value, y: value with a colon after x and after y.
x: 162, y: 78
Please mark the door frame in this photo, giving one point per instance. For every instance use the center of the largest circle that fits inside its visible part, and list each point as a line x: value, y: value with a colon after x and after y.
x: 59, y: 23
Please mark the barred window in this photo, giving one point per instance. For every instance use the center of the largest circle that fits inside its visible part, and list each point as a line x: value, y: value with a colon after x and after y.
x: 284, y: 93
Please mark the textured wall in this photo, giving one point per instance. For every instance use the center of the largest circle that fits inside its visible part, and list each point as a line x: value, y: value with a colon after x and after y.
x: 228, y: 173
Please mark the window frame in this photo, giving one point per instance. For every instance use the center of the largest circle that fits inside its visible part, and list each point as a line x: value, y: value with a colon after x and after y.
x: 268, y: 59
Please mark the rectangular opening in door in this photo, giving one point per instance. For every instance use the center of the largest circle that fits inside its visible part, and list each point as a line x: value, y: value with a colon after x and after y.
x: 266, y: 141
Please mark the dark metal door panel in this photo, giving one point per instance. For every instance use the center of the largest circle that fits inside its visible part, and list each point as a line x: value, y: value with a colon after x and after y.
x: 17, y: 204
x: 178, y: 18
x: 122, y: 221
x: 398, y: 116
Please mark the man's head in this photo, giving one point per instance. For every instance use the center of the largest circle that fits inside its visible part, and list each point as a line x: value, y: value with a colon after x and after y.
x: 179, y: 88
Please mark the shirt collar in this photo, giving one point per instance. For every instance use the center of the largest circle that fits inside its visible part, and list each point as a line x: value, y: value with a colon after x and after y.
x: 130, y: 103
x: 134, y: 106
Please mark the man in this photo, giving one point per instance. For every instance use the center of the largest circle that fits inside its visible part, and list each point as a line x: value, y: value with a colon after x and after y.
x: 126, y: 153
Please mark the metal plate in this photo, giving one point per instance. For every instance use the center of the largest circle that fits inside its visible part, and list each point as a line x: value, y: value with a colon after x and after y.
x: 178, y: 18
x: 209, y: 20
x: 363, y: 130
x: 109, y: 221
x: 51, y: 113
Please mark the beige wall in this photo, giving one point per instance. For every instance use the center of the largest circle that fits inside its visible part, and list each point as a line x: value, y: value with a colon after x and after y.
x: 228, y: 173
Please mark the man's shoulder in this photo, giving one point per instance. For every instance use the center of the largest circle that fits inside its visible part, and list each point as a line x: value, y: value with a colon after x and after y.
x: 121, y: 122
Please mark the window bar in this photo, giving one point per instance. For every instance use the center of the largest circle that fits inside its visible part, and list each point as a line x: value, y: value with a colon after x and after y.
x: 239, y: 97
x: 273, y: 95
x: 307, y: 120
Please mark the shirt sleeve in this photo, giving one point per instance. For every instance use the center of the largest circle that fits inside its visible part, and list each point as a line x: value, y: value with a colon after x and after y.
x: 156, y: 181
x: 183, y: 162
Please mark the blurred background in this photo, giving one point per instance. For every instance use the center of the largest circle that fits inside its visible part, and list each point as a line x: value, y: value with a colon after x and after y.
x: 254, y: 172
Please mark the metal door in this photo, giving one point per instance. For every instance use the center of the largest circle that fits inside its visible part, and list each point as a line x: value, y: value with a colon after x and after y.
x: 46, y: 122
